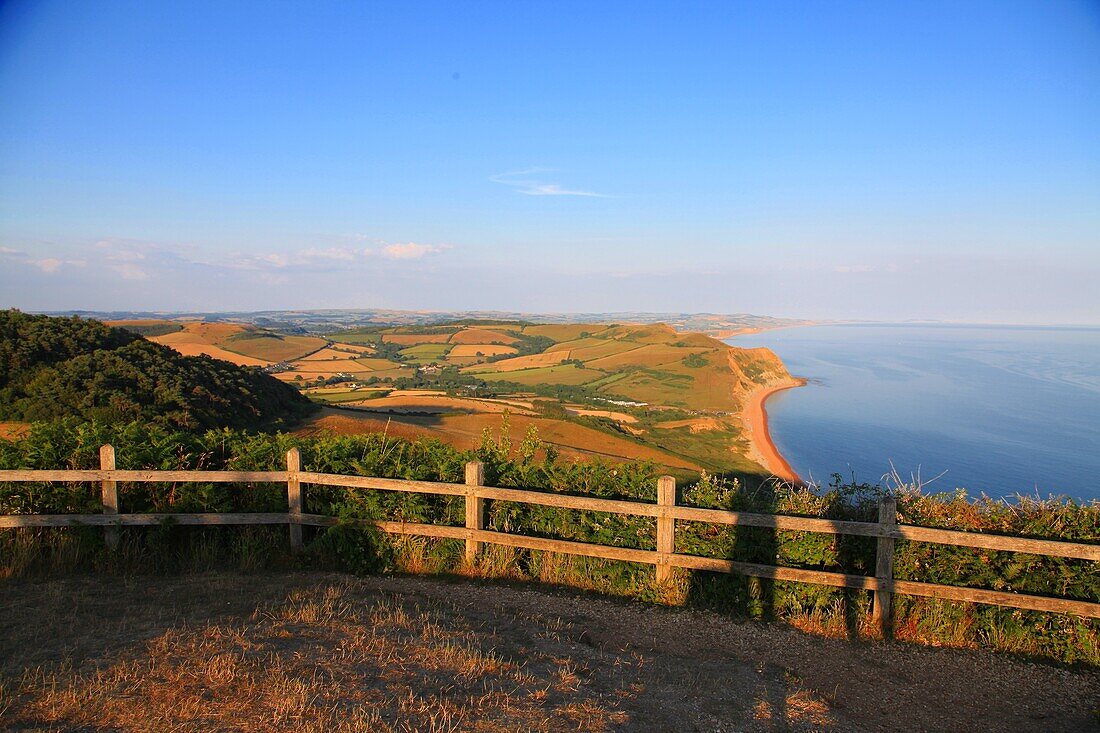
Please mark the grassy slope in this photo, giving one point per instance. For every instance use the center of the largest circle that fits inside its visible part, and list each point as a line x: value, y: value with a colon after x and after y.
x: 652, y: 364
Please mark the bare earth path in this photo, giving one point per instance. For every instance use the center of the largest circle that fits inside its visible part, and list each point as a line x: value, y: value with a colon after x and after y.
x: 319, y: 652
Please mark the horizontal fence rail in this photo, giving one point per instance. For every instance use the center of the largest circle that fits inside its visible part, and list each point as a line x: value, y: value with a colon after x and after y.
x: 475, y: 534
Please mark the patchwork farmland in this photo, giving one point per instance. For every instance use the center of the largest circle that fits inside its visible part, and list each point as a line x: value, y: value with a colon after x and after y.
x: 610, y: 390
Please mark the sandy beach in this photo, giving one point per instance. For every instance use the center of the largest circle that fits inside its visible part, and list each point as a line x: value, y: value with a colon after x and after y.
x: 755, y: 420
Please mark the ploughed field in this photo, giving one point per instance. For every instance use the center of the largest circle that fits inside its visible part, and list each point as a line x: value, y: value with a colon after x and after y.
x: 619, y: 391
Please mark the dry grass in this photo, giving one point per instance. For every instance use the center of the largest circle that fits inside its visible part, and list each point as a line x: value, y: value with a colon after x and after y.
x: 324, y: 656
x: 532, y: 361
x: 311, y: 366
x: 330, y: 652
x: 465, y: 432
x: 331, y: 353
x: 467, y: 350
x: 482, y: 336
x: 562, y: 332
x: 273, y: 348
x: 193, y: 348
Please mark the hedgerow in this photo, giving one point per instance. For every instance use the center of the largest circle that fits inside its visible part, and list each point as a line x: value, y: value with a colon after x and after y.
x: 532, y: 464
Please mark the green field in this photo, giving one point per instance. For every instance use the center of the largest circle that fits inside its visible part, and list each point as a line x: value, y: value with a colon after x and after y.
x: 426, y: 353
x: 569, y: 374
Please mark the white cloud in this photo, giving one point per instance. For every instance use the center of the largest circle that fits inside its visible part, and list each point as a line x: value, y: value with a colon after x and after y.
x: 130, y: 271
x: 521, y: 181
x: 409, y: 250
x: 121, y: 250
x: 49, y: 264
x: 326, y: 259
x: 275, y: 259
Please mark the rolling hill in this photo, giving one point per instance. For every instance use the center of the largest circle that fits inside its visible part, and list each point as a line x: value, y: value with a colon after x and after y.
x: 53, y: 368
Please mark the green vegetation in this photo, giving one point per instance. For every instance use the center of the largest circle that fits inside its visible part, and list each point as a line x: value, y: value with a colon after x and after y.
x: 695, y: 361
x: 335, y: 398
x: 347, y: 546
x: 425, y: 353
x: 59, y: 367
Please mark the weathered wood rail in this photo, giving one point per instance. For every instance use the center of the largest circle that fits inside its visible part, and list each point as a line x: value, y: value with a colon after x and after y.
x: 665, y: 511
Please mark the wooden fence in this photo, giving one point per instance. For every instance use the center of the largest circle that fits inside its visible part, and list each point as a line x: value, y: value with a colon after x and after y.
x: 665, y: 511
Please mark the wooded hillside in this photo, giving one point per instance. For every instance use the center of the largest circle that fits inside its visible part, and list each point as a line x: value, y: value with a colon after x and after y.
x: 60, y: 367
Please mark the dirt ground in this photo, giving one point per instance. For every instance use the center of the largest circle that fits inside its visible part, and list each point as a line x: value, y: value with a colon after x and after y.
x: 332, y: 652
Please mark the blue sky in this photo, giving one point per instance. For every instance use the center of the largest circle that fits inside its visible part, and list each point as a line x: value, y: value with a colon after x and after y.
x: 823, y: 160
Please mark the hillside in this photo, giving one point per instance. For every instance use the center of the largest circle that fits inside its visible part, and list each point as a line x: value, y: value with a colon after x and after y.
x: 69, y: 367
x: 637, y: 391
x: 641, y: 391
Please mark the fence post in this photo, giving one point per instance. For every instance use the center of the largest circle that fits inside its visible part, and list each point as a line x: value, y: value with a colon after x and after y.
x: 475, y: 507
x: 294, y: 499
x: 884, y: 566
x: 109, y: 494
x: 666, y: 528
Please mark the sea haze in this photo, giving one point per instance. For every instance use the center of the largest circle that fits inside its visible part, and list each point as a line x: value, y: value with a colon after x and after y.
x: 1000, y: 410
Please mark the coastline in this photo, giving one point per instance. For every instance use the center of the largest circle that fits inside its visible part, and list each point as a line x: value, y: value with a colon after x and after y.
x: 754, y: 418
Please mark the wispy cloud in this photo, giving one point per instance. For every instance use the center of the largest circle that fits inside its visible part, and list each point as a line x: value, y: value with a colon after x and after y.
x: 130, y: 271
x: 48, y: 265
x: 531, y: 182
x: 329, y: 258
x: 410, y: 250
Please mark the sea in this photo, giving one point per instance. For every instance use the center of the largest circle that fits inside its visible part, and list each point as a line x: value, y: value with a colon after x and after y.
x: 995, y: 410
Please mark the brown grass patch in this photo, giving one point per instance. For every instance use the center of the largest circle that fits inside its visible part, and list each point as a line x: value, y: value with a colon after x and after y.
x: 482, y: 336
x: 563, y: 332
x: 199, y: 338
x: 331, y: 353
x: 308, y: 366
x: 274, y: 348
x: 602, y: 349
x: 192, y: 348
x: 207, y: 333
x: 695, y: 425
x: 650, y: 355
x: 330, y: 652
x: 609, y: 414
x: 465, y: 432
x: 321, y: 656
x: 549, y: 358
x: 464, y: 350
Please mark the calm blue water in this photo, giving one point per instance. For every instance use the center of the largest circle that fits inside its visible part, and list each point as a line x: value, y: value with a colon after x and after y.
x: 999, y: 410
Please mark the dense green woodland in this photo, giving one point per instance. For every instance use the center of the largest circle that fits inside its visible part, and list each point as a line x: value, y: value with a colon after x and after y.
x: 71, y: 367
